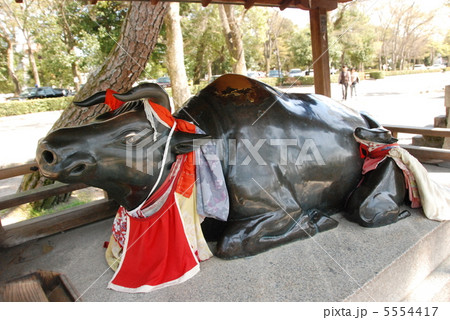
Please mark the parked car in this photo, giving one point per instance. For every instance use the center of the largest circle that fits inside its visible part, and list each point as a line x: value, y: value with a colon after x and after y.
x: 296, y: 73
x: 275, y: 74
x: 164, y: 82
x: 256, y: 74
x: 437, y: 66
x: 420, y: 67
x: 41, y: 92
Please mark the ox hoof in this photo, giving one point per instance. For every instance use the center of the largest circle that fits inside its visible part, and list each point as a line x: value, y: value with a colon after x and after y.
x: 404, y: 214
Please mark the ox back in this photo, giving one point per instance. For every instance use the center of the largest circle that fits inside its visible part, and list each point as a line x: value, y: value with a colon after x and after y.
x: 294, y: 152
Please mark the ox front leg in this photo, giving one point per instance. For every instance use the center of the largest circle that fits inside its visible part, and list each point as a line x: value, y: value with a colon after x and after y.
x: 248, y: 237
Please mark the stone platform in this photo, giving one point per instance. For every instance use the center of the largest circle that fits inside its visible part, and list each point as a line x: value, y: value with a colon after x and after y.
x: 349, y: 263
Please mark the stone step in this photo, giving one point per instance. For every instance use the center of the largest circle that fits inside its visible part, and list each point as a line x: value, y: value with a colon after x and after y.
x: 411, y: 269
x: 435, y: 287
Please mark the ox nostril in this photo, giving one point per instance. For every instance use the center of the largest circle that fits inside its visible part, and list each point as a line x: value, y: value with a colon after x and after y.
x: 78, y: 169
x: 48, y: 156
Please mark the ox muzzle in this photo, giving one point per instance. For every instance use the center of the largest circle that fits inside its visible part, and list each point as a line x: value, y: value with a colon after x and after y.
x: 63, y: 164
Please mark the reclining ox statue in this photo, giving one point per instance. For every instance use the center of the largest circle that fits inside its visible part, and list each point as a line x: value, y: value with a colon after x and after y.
x: 289, y: 161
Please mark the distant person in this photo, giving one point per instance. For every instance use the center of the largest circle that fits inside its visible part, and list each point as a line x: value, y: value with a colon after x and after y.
x: 354, y: 79
x: 344, y: 79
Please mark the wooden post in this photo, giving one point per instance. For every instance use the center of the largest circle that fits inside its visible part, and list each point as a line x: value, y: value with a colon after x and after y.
x: 446, y: 144
x: 319, y: 41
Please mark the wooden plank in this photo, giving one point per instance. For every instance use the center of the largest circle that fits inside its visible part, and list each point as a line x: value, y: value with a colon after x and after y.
x: 426, y: 153
x: 44, y: 226
x: 319, y: 40
x: 18, y: 170
x: 39, y: 286
x: 44, y: 192
x: 435, y: 132
x: 26, y: 290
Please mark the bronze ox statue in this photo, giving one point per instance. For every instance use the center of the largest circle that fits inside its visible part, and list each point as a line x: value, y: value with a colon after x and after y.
x: 296, y: 161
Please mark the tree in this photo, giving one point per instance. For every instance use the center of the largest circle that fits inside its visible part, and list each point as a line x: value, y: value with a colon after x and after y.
x: 21, y: 14
x: 119, y: 71
x: 205, y: 48
x: 175, y: 56
x: 406, y: 32
x: 5, y: 34
x: 300, y: 47
x: 254, y: 30
x: 352, y: 35
x: 278, y: 39
x: 79, y: 39
x: 233, y: 37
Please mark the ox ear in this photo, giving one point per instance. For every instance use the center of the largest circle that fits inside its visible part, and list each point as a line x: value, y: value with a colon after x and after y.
x: 183, y: 142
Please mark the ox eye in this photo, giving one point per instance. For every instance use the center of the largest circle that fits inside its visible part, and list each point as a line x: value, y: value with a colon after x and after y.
x: 130, y: 138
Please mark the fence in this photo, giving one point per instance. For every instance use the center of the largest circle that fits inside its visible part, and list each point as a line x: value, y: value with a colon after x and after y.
x: 423, y: 153
x: 20, y: 232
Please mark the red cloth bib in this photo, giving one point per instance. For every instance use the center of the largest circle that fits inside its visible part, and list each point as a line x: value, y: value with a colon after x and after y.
x: 156, y: 251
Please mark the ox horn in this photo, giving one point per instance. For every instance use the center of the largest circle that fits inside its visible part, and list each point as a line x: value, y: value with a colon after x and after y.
x: 150, y: 91
x: 97, y: 98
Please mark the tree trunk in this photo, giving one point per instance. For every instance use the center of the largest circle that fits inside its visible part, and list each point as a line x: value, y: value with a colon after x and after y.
x: 200, y: 55
x: 267, y: 54
x: 76, y: 76
x: 10, y: 66
x: 233, y: 38
x: 175, y: 56
x: 121, y: 69
x: 33, y: 66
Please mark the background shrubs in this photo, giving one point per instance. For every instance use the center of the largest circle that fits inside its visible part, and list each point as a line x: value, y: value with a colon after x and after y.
x: 12, y: 108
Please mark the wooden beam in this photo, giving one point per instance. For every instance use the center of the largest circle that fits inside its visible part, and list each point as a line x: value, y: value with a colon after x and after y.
x: 17, y: 199
x: 434, y: 132
x: 319, y: 41
x: 43, y: 226
x: 426, y: 153
x: 205, y: 3
x: 303, y: 4
x: 284, y: 4
x: 18, y: 170
x: 249, y: 3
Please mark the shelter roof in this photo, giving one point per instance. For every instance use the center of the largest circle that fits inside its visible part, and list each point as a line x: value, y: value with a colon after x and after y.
x: 282, y: 4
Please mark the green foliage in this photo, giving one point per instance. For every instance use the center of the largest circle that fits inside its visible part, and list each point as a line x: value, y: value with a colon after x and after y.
x: 13, y: 108
x: 204, y: 42
x: 69, y: 32
x: 255, y: 29
x: 300, y: 47
x: 351, y: 37
x: 34, y: 213
x: 403, y: 72
x: 297, y: 81
x: 376, y: 74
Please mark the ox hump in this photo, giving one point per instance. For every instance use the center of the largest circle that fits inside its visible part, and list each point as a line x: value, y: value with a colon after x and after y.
x: 240, y: 89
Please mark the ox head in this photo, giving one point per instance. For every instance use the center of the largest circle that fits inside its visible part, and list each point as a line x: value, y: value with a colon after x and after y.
x: 118, y: 152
